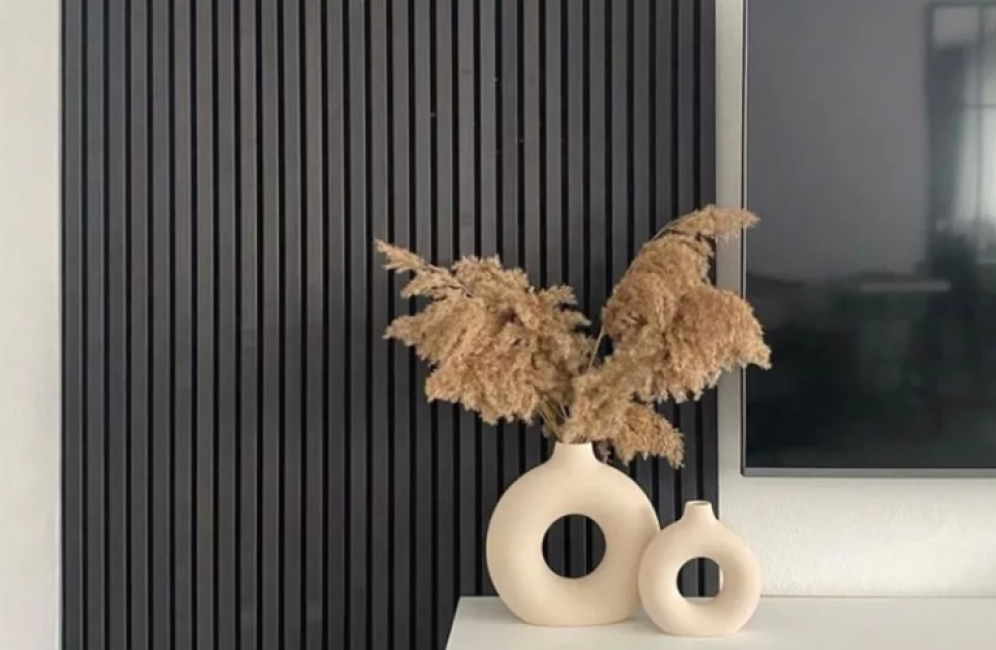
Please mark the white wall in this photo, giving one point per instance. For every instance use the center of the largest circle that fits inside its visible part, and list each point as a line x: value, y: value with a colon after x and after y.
x: 838, y: 536
x: 29, y: 324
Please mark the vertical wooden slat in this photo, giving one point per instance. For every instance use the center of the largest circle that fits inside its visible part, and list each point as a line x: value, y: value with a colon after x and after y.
x: 271, y: 402
x: 205, y: 316
x: 488, y: 104
x: 578, y: 212
x: 339, y: 429
x: 315, y: 423
x: 620, y: 219
x: 228, y: 433
x: 662, y: 199
x: 140, y: 356
x: 401, y: 173
x: 551, y: 40
x: 684, y: 170
x: 161, y: 411
x: 446, y: 251
x: 425, y: 535
x: 95, y: 309
x: 337, y: 479
x: 705, y: 174
x: 661, y: 196
x: 249, y: 313
x: 533, y: 210
x: 510, y: 189
x: 663, y: 59
x: 683, y: 29
x: 705, y: 90
x: 74, y: 367
x: 640, y: 119
x: 291, y: 323
x: 357, y: 315
x: 184, y: 380
x: 598, y: 101
x: 467, y: 225
x: 555, y: 252
x: 598, y: 179
x: 379, y: 372
x: 640, y: 180
x: 117, y: 287
x: 575, y: 110
x: 574, y: 147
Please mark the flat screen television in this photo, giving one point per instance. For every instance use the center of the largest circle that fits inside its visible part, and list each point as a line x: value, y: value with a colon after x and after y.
x: 869, y: 151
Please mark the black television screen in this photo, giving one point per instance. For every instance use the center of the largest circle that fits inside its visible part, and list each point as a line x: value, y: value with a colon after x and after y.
x: 870, y: 156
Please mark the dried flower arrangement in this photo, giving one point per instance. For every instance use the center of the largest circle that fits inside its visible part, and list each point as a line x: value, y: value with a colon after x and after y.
x: 510, y: 351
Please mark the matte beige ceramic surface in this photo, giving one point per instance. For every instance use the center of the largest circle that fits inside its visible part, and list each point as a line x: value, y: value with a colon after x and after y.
x: 699, y: 534
x: 572, y: 482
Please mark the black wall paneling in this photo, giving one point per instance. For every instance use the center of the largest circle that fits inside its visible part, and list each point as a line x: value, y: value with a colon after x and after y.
x: 247, y: 464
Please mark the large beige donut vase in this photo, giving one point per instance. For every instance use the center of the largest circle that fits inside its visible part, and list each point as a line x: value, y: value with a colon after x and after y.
x: 572, y: 482
x: 699, y: 534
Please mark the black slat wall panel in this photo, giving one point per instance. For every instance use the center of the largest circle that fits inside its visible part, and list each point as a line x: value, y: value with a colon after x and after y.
x: 247, y: 464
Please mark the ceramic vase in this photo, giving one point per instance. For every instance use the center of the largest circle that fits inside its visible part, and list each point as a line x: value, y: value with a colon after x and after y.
x: 572, y: 482
x: 698, y: 534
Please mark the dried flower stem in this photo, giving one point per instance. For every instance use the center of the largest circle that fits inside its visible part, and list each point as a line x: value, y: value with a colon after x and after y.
x: 549, y: 417
x: 669, y: 226
x: 598, y: 344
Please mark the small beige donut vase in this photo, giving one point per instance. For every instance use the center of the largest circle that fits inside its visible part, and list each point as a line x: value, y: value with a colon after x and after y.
x: 699, y: 534
x: 572, y: 482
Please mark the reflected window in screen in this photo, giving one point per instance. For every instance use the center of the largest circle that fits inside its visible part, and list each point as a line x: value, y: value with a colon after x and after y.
x: 871, y: 159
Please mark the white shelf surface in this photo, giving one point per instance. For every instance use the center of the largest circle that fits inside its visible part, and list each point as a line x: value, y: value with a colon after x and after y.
x: 780, y: 624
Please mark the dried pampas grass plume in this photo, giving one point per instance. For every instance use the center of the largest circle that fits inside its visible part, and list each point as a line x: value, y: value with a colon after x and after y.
x: 714, y: 222
x: 496, y: 345
x: 673, y: 334
x: 647, y: 433
x: 714, y: 331
x: 510, y: 351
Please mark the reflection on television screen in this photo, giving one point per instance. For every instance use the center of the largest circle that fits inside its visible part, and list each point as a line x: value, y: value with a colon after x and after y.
x: 871, y: 158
